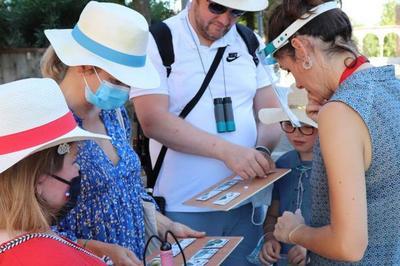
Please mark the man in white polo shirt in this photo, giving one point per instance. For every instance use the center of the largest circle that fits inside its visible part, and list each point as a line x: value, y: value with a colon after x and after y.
x: 199, y: 156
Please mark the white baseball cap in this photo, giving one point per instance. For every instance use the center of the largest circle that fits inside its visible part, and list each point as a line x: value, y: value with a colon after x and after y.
x: 297, y: 102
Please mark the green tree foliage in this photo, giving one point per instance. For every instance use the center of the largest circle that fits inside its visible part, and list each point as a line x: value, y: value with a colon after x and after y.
x: 22, y: 21
x: 371, y: 45
x: 3, y: 25
x: 28, y: 18
x: 391, y: 41
x: 389, y: 13
x: 159, y: 11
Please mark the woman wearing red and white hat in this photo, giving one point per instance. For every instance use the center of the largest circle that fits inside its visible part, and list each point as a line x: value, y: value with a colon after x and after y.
x: 38, y: 177
x: 95, y: 63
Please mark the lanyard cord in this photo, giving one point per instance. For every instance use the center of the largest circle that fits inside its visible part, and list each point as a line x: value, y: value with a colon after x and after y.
x: 300, y: 188
x: 201, y: 59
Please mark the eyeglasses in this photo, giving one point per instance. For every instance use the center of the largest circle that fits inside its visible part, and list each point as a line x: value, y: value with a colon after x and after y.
x: 218, y: 9
x: 304, y: 129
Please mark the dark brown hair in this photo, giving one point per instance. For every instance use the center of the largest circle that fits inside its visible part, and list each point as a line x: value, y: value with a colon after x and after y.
x: 333, y: 27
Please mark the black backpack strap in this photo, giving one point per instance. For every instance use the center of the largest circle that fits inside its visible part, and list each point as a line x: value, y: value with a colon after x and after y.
x: 151, y: 181
x: 163, y: 38
x: 250, y: 40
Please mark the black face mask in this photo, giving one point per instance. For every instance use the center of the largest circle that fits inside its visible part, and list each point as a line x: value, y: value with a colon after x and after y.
x: 72, y: 195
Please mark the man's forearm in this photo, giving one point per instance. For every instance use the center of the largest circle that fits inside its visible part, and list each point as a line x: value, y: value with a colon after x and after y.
x: 180, y: 135
x: 268, y: 135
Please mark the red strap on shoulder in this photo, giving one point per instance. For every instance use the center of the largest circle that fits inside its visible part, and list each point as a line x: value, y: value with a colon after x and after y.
x: 350, y: 70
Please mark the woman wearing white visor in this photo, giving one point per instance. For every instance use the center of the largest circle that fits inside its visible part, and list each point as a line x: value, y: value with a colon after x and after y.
x: 95, y: 63
x: 39, y: 180
x: 356, y: 164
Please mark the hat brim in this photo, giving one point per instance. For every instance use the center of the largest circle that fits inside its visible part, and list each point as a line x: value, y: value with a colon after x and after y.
x: 77, y: 134
x: 275, y: 115
x: 249, y: 5
x: 73, y: 54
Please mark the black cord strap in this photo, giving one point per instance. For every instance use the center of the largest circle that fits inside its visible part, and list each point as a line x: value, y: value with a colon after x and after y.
x: 186, y: 110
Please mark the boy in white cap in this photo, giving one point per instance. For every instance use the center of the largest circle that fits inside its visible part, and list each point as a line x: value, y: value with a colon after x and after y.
x: 293, y: 191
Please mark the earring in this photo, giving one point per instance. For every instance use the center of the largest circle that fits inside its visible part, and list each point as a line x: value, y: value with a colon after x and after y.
x: 63, y: 148
x: 307, y: 64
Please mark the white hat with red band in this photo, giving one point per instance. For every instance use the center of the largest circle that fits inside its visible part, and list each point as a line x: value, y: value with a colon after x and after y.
x: 34, y: 116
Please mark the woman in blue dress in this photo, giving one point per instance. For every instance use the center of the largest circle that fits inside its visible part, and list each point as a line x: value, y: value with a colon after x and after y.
x: 94, y: 64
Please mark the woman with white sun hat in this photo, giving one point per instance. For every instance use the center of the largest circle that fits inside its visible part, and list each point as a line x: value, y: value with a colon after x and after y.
x: 38, y: 177
x: 95, y: 63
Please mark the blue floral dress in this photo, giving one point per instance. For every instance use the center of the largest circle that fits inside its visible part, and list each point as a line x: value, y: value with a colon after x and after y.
x: 109, y: 207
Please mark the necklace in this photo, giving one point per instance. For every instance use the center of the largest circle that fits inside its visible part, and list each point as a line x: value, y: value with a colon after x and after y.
x: 201, y: 59
x: 223, y: 111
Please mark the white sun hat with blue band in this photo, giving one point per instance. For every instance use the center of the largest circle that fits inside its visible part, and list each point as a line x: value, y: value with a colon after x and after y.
x: 109, y: 36
x: 283, y: 38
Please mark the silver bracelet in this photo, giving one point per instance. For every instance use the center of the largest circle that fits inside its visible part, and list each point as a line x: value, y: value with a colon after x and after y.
x: 264, y: 150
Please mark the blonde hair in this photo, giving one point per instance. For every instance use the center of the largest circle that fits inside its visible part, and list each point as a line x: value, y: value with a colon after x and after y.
x: 21, y: 208
x: 51, y: 65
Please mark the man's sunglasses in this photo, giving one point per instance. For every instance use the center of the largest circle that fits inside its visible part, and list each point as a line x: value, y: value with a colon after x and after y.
x: 218, y: 9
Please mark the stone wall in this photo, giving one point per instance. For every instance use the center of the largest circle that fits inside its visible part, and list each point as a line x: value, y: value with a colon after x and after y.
x: 19, y: 63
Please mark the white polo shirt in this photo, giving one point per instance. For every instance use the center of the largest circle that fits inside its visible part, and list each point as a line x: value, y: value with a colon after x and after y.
x: 184, y: 175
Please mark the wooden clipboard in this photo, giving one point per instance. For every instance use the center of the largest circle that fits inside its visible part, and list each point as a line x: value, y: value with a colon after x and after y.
x: 246, y: 189
x: 198, y: 244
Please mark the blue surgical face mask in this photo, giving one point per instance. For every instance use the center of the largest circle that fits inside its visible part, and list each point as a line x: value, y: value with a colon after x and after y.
x: 108, y: 96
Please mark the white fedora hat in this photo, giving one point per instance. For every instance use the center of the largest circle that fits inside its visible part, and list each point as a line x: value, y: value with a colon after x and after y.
x: 34, y: 116
x: 297, y: 101
x: 109, y: 36
x: 244, y: 5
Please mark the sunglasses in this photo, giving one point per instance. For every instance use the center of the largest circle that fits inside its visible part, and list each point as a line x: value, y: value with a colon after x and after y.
x: 75, y: 182
x: 287, y: 127
x: 218, y: 9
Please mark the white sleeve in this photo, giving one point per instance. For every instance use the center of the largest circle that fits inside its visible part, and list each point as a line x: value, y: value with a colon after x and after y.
x: 265, y: 73
x: 153, y: 55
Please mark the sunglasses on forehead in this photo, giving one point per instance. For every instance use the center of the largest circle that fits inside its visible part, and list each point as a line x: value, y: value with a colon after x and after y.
x: 218, y: 9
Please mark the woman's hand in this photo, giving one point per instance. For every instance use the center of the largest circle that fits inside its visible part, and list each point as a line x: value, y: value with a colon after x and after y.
x: 270, y: 251
x: 297, y: 255
x: 183, y: 231
x: 121, y: 256
x: 286, y: 224
x: 313, y: 107
x: 244, y: 161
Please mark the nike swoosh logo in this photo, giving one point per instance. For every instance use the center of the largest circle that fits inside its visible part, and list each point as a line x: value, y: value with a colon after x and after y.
x: 231, y: 59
